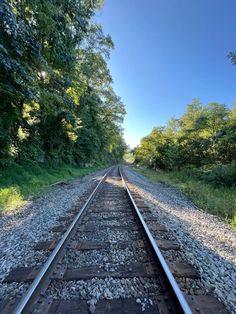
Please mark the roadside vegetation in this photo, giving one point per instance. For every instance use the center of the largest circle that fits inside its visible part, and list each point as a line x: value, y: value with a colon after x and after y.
x: 217, y: 200
x: 57, y: 101
x: 21, y: 183
x: 128, y: 157
x: 58, y: 108
x: 197, y: 154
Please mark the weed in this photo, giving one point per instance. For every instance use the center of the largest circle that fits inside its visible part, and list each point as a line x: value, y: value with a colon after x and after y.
x: 219, y: 200
x: 20, y: 183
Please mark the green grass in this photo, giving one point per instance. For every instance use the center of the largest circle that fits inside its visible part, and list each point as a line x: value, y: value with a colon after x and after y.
x: 20, y: 183
x: 217, y: 200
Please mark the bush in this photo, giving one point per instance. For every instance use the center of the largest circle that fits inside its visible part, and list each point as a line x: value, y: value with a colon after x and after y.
x: 217, y: 175
x: 224, y: 175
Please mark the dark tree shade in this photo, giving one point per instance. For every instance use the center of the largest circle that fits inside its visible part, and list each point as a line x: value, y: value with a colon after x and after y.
x: 56, y: 98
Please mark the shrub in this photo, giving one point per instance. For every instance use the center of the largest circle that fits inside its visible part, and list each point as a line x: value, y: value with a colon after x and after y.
x: 224, y: 175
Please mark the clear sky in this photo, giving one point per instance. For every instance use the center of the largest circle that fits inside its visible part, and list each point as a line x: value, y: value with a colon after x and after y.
x: 168, y: 52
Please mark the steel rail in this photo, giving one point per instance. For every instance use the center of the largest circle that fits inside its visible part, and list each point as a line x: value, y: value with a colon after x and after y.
x: 26, y: 300
x: 181, y: 301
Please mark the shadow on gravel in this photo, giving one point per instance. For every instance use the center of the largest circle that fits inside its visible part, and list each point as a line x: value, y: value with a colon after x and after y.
x: 207, y: 241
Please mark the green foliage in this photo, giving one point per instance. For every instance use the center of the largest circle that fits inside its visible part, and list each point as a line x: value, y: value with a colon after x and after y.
x: 218, y: 175
x: 129, y: 157
x: 204, y: 135
x: 198, y: 153
x: 55, y: 86
x: 19, y: 183
x: 217, y: 200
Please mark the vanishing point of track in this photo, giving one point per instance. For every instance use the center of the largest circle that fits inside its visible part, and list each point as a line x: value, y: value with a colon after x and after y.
x: 109, y: 221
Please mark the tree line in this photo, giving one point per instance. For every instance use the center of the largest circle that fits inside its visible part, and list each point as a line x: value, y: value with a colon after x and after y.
x: 203, y: 135
x: 56, y: 97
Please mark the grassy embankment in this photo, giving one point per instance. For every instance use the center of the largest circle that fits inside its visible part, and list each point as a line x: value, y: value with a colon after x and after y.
x: 20, y: 183
x: 218, y: 200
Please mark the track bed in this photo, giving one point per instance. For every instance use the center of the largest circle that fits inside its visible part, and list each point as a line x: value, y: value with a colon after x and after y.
x: 106, y: 264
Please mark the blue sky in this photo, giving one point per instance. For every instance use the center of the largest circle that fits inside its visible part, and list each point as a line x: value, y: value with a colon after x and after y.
x: 168, y: 52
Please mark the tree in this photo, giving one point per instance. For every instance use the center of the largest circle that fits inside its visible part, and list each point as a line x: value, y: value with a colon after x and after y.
x: 203, y: 135
x: 56, y: 97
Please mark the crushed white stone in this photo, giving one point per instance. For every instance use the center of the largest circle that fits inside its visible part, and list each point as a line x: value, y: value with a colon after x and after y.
x: 207, y: 241
x: 19, y: 231
x: 108, y: 288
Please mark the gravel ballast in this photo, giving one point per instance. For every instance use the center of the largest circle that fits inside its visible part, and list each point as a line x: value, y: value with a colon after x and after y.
x: 19, y: 231
x: 207, y: 242
x: 108, y: 288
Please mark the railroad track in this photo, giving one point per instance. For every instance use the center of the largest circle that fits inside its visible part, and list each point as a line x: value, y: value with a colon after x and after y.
x: 107, y: 261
